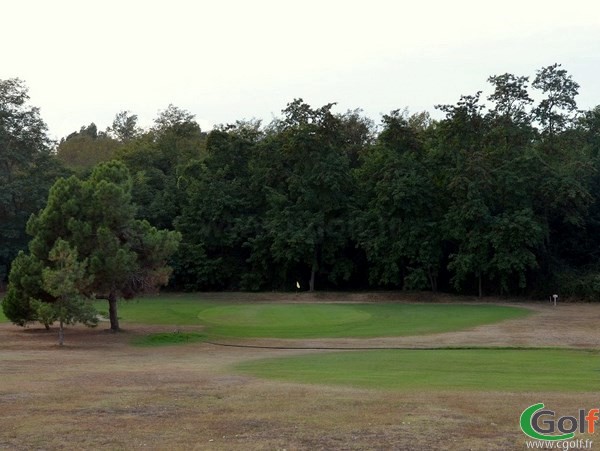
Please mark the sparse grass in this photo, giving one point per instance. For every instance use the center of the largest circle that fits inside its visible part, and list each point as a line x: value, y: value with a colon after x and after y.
x: 511, y: 370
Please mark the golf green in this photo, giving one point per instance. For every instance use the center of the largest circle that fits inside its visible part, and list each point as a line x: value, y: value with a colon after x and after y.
x: 312, y: 320
x: 512, y: 370
x: 348, y: 320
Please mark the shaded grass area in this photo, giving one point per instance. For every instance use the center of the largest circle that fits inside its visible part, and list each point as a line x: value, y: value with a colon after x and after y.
x: 168, y: 309
x: 312, y: 320
x: 168, y: 338
x: 511, y: 370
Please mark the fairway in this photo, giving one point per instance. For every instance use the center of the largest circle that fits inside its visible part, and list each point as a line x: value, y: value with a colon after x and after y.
x: 510, y: 370
x: 314, y: 320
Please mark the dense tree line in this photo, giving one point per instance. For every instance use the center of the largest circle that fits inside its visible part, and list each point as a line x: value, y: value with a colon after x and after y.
x: 500, y: 195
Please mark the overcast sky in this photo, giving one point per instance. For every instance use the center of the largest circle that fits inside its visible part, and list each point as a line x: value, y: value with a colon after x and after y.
x: 84, y: 61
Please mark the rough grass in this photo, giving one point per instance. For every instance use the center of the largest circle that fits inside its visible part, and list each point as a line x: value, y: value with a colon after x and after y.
x: 511, y: 370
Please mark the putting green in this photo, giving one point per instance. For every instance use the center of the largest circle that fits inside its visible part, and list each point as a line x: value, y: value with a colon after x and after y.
x: 310, y: 320
x: 300, y: 315
x: 452, y: 369
x: 347, y: 320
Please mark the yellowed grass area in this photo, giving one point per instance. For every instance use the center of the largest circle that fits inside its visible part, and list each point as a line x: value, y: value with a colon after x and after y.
x: 99, y: 392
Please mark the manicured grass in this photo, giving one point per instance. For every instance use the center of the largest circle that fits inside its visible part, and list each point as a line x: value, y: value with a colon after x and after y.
x: 348, y: 320
x: 312, y: 320
x: 168, y: 309
x: 445, y: 370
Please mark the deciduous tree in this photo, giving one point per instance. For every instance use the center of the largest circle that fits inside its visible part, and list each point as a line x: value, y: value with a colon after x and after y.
x: 307, y: 183
x: 82, y: 150
x: 27, y: 168
x: 398, y: 222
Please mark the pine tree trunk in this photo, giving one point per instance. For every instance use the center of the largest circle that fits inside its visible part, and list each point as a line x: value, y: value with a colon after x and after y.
x: 480, y: 287
x: 61, y: 334
x: 112, y: 312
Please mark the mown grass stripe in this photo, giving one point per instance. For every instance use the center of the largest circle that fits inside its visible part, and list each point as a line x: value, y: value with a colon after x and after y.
x: 514, y: 370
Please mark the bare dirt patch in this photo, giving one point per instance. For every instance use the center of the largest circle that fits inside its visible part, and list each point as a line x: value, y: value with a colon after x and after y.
x: 99, y: 392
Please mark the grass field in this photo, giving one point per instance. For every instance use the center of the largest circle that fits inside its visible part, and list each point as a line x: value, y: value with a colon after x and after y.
x: 128, y: 391
x: 511, y: 370
x: 313, y: 320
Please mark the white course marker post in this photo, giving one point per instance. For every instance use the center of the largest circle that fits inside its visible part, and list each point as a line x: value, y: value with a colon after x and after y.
x: 555, y: 297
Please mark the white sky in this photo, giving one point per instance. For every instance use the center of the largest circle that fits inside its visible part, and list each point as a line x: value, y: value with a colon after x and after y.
x: 84, y: 61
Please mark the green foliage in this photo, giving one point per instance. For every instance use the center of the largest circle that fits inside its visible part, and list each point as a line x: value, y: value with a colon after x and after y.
x: 65, y: 279
x: 155, y: 160
x: 219, y: 214
x: 398, y: 217
x: 480, y: 201
x: 50, y: 291
x: 578, y: 283
x: 45, y: 312
x: 498, y: 215
x: 94, y: 219
x: 27, y: 168
x: 81, y: 151
x: 124, y: 127
x: 24, y: 284
x: 553, y: 112
x: 307, y: 186
x: 493, y: 198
